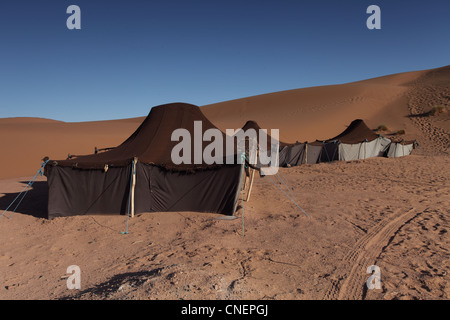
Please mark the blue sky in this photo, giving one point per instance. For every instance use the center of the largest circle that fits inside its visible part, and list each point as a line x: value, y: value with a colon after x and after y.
x: 132, y: 55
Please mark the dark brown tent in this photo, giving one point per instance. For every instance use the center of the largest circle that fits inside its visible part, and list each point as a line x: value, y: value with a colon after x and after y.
x: 356, y: 132
x: 140, y: 173
x: 356, y: 142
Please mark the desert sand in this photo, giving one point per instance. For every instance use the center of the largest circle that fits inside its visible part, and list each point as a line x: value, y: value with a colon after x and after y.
x: 392, y: 213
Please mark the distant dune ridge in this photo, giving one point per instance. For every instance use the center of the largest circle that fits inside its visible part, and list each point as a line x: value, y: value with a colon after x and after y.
x: 323, y: 112
x: 398, y: 101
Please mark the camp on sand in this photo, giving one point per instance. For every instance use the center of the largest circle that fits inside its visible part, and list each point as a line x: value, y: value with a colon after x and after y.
x: 356, y: 142
x: 139, y: 175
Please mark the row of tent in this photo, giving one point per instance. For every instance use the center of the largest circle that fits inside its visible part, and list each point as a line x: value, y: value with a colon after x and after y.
x: 357, y: 142
x: 139, y: 175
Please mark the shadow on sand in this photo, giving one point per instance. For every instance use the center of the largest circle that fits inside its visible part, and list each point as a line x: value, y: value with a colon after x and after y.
x: 109, y: 288
x: 419, y: 115
x: 34, y: 204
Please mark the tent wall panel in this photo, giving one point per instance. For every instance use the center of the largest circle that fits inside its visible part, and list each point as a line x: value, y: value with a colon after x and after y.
x: 363, y: 150
x: 330, y: 152
x: 313, y: 153
x: 79, y: 192
x: 292, y: 155
x: 282, y: 156
x: 212, y: 190
x: 399, y: 150
x: 300, y: 153
x: 381, y: 147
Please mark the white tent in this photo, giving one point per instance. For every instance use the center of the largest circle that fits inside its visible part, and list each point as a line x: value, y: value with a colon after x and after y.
x: 364, y: 150
x: 400, y: 149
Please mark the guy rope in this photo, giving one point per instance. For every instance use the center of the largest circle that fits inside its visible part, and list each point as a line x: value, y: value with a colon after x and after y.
x: 25, y: 190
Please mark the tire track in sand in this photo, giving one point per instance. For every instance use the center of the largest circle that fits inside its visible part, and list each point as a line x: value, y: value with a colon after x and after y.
x: 350, y: 282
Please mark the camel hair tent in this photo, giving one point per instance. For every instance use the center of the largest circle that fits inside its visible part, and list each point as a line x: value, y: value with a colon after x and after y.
x: 139, y: 175
x: 356, y: 142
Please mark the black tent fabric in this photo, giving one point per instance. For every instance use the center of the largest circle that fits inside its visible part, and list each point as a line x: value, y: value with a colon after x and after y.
x: 314, y: 152
x: 356, y: 132
x: 292, y: 155
x: 151, y: 143
x: 330, y: 151
x: 91, y: 191
x: 101, y: 183
x: 300, y: 153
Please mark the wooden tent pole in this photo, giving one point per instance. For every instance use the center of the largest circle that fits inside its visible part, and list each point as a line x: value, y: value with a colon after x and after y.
x: 306, y: 152
x: 252, y: 177
x: 364, y: 146
x: 133, y: 185
x: 251, y: 184
x: 245, y: 178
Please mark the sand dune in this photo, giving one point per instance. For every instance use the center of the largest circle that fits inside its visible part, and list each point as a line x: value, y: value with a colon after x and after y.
x: 321, y: 112
x: 392, y: 213
x: 303, y: 114
x: 26, y: 141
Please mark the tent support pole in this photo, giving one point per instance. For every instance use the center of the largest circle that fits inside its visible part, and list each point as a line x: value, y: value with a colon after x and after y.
x: 365, y: 143
x: 251, y: 184
x: 306, y: 153
x: 245, y: 180
x: 133, y: 185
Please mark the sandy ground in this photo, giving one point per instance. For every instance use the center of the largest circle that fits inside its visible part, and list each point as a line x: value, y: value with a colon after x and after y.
x: 392, y: 213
